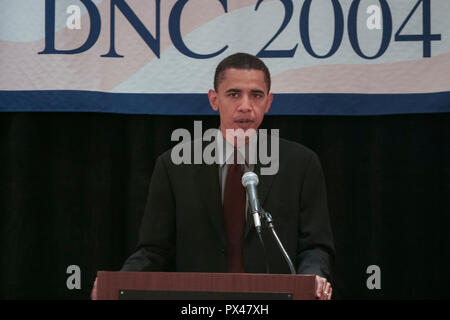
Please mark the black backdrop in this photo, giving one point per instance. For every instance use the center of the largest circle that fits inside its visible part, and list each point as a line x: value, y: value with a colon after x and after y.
x: 73, y: 188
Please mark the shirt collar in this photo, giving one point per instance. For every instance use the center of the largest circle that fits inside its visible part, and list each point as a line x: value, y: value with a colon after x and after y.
x: 225, y: 151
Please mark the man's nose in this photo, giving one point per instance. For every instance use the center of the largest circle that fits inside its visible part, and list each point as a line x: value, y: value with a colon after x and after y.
x: 245, y: 104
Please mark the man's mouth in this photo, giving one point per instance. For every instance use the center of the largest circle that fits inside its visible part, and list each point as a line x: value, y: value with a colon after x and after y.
x: 244, y: 124
x: 244, y: 121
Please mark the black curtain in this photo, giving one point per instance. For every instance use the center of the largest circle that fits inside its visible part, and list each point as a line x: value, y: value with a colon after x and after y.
x: 73, y: 188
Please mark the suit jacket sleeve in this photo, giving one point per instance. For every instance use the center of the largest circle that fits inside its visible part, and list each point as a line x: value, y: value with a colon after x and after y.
x: 156, y: 247
x: 315, y: 250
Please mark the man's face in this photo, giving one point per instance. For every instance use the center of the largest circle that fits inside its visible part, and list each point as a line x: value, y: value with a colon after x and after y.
x: 242, y: 99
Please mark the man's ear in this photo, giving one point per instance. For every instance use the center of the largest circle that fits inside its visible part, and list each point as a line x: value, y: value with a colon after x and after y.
x: 269, y: 102
x: 212, y: 97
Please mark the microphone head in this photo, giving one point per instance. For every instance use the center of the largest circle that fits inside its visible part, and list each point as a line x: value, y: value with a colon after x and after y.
x: 249, y: 178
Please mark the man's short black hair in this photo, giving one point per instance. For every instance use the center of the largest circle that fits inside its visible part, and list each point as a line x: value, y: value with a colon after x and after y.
x: 241, y: 61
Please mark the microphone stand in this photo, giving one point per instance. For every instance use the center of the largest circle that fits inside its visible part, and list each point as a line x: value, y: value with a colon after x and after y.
x: 269, y: 222
x: 258, y: 231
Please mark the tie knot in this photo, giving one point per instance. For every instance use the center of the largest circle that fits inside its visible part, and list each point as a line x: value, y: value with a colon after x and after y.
x: 236, y: 166
x: 235, y: 156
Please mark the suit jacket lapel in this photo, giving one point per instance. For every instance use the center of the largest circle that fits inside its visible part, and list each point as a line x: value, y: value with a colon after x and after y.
x: 209, y: 188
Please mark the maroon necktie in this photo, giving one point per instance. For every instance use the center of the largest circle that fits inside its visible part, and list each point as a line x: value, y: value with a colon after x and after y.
x: 234, y: 212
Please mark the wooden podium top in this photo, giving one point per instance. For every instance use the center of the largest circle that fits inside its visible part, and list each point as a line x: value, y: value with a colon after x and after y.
x: 109, y: 284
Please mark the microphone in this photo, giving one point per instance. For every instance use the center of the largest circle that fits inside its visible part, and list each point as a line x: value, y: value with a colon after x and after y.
x: 250, y: 181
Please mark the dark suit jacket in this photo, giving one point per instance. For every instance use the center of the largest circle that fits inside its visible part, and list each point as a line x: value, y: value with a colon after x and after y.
x: 183, y: 227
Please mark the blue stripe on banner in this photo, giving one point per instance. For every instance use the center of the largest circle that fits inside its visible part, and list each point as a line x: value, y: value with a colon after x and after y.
x: 197, y: 104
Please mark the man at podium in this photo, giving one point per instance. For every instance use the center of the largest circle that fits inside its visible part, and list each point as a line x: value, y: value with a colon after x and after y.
x: 198, y: 215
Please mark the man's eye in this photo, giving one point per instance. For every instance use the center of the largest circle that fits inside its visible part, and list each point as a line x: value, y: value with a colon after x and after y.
x: 233, y: 94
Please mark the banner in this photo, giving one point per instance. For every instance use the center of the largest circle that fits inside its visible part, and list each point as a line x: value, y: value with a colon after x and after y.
x: 326, y: 57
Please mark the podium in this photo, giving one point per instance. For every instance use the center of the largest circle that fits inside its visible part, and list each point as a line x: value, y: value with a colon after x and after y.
x: 203, y: 286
